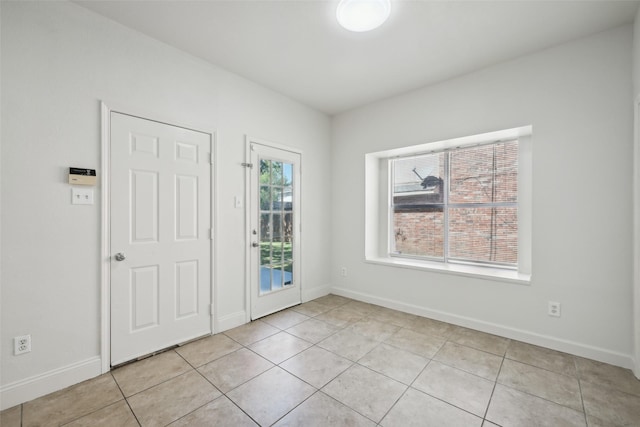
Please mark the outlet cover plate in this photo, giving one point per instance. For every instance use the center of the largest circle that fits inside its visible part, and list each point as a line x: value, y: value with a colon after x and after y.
x: 21, y: 344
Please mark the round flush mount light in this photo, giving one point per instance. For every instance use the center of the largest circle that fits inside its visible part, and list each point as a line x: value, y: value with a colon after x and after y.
x: 363, y: 15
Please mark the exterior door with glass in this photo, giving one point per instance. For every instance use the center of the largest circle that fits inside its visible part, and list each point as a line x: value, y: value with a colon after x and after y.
x: 274, y: 229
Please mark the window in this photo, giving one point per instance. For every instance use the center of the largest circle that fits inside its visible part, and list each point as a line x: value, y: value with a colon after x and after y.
x: 458, y: 205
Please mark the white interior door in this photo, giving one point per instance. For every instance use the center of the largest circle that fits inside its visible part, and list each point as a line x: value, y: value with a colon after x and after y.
x: 274, y: 229
x: 160, y: 236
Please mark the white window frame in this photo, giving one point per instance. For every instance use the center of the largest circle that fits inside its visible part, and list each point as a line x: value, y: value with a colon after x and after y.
x: 378, y: 207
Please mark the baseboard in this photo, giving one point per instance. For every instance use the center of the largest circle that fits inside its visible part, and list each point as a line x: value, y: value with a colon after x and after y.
x: 315, y: 292
x: 566, y: 346
x: 33, y: 387
x: 231, y: 321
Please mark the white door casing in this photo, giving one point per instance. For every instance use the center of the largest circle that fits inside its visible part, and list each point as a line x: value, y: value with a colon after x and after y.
x: 160, y: 220
x: 274, y: 227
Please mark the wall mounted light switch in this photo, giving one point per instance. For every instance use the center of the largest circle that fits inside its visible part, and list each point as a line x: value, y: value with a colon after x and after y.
x: 81, y: 196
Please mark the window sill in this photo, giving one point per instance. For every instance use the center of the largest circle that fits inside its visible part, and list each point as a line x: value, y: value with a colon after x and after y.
x: 478, y: 272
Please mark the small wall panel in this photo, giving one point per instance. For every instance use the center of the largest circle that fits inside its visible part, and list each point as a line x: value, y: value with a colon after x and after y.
x: 186, y: 288
x: 144, y: 206
x: 186, y: 207
x: 186, y: 151
x: 144, y: 297
x: 143, y: 144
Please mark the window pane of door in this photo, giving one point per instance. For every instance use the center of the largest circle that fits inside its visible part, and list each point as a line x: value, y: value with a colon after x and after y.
x: 276, y: 219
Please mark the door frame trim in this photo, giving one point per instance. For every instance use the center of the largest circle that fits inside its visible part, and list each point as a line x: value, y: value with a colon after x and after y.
x: 247, y: 215
x: 636, y: 238
x: 105, y: 220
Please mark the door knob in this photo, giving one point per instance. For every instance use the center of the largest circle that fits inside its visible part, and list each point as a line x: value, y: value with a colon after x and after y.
x: 120, y: 256
x: 255, y: 244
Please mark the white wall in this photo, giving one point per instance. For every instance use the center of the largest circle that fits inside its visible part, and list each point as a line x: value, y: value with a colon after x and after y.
x: 577, y: 96
x: 636, y: 190
x: 58, y: 61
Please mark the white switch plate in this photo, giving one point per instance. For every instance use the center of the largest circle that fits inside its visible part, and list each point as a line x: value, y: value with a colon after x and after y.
x: 81, y: 196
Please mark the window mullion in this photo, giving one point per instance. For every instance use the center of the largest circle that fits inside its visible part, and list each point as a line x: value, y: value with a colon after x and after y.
x: 445, y: 202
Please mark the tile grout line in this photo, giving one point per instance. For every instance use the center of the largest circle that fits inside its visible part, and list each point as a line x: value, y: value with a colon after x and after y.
x: 125, y: 398
x: 495, y: 384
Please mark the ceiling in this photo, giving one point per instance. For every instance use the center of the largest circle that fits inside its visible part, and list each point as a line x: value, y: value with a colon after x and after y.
x: 297, y: 48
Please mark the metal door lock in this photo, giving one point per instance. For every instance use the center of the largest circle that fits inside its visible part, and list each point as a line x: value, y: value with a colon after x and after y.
x: 120, y: 256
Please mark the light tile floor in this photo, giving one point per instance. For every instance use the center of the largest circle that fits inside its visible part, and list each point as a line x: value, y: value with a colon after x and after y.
x: 339, y: 362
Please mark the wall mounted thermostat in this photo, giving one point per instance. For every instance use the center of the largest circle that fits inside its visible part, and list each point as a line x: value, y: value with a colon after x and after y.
x: 80, y: 176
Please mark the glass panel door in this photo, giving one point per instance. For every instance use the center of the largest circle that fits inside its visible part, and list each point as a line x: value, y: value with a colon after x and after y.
x: 275, y: 227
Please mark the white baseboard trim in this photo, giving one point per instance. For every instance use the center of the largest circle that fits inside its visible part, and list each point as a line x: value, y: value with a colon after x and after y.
x: 231, y: 321
x: 38, y: 385
x: 315, y: 292
x: 566, y: 346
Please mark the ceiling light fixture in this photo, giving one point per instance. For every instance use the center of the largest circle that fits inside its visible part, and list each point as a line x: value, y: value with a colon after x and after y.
x: 363, y: 15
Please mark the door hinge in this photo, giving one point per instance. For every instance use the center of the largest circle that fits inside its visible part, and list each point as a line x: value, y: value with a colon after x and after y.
x: 210, y: 158
x: 211, y: 234
x: 247, y: 165
x: 211, y: 309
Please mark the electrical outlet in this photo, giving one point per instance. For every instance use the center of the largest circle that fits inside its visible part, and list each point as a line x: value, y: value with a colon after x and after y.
x: 554, y: 309
x: 22, y: 344
x: 343, y: 271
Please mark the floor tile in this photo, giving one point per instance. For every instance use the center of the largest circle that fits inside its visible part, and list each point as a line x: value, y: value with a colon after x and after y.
x: 395, y: 363
x: 365, y: 391
x: 279, y: 347
x: 118, y: 414
x: 135, y: 377
x: 362, y: 308
x: 468, y: 359
x: 332, y: 300
x: 251, y: 332
x: 234, y: 369
x: 561, y: 389
x: 270, y: 395
x: 428, y: 326
x: 310, y: 308
x: 340, y: 317
x: 11, y: 417
x: 541, y: 357
x: 219, y: 413
x: 316, y: 366
x: 285, y: 319
x: 608, y: 375
x: 459, y: 388
x: 480, y: 341
x: 71, y: 403
x: 510, y: 407
x: 415, y: 342
x: 394, y: 317
x: 312, y: 330
x: 172, y: 399
x: 207, y: 349
x: 597, y: 422
x: 348, y: 344
x: 612, y: 406
x: 373, y: 329
x: 418, y: 409
x: 321, y: 410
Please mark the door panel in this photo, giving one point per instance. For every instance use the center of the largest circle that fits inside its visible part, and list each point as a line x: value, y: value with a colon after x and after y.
x: 275, y: 229
x: 160, y: 222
